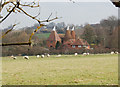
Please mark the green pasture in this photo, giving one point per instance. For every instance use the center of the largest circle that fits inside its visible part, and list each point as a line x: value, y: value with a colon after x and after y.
x: 42, y: 35
x: 64, y: 70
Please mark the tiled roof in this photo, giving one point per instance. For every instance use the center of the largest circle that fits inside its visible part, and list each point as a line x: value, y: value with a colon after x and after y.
x: 73, y: 34
x: 86, y: 43
x: 78, y: 42
x: 61, y: 35
x: 67, y: 35
x: 70, y: 41
x: 54, y: 36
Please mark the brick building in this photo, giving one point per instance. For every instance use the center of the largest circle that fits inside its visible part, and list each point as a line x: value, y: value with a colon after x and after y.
x: 53, y: 39
x: 67, y: 40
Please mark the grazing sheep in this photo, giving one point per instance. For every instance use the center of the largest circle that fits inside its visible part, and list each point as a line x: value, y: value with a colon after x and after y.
x: 76, y: 54
x: 112, y: 52
x: 38, y: 56
x: 14, y: 58
x: 42, y: 56
x: 84, y: 54
x: 116, y: 52
x: 59, y: 55
x: 88, y: 53
x: 48, y: 55
x: 11, y: 56
x: 26, y: 57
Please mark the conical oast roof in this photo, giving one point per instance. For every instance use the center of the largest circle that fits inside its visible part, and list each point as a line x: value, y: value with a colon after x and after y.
x: 54, y: 36
x: 67, y: 34
x: 73, y: 33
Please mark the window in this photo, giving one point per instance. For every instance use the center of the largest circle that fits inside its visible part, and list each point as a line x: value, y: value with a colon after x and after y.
x: 84, y: 46
x: 79, y: 46
x: 73, y: 46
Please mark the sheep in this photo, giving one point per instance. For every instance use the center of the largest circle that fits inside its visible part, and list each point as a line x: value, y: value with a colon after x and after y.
x: 84, y: 54
x: 38, y: 56
x: 26, y: 57
x: 11, y: 56
x: 116, y: 52
x: 14, y: 58
x: 48, y: 55
x: 42, y: 56
x: 112, y: 52
x: 87, y: 53
x: 59, y: 55
x: 76, y: 54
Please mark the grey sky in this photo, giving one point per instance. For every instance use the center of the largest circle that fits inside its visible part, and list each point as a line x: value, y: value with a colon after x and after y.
x: 72, y: 13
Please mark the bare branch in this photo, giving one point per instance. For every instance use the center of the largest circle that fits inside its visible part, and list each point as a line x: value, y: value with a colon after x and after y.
x: 5, y: 3
x: 29, y: 3
x: 41, y: 25
x: 9, y: 44
x: 8, y: 31
x: 49, y: 16
x: 35, y: 17
x: 32, y: 6
x: 51, y: 19
x: 8, y: 14
x: 18, y: 10
x: 28, y: 14
x: 37, y: 14
x: 17, y: 7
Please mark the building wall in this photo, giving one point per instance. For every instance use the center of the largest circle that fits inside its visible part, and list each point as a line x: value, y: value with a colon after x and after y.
x: 79, y: 47
x: 68, y: 42
x: 51, y: 44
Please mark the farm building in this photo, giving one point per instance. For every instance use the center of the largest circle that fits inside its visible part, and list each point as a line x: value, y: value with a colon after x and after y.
x: 67, y: 40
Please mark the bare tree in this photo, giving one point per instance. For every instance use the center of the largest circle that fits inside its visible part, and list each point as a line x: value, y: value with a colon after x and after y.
x: 116, y: 3
x: 16, y: 6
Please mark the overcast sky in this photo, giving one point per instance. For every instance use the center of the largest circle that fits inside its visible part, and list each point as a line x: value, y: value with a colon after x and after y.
x: 72, y: 13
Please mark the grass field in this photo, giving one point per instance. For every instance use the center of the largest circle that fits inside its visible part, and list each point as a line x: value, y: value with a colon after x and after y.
x: 43, y: 35
x: 64, y: 70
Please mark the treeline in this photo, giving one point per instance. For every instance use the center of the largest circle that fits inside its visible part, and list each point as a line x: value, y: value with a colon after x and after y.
x: 19, y: 36
x: 103, y: 37
x: 104, y: 34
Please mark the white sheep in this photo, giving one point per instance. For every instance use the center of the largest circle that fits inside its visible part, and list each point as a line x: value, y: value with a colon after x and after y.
x: 84, y: 54
x: 112, y: 52
x: 11, y: 56
x: 26, y: 57
x: 76, y: 54
x: 38, y: 56
x: 59, y: 55
x: 88, y: 53
x: 42, y: 56
x: 14, y: 58
x: 48, y: 55
x: 116, y: 52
